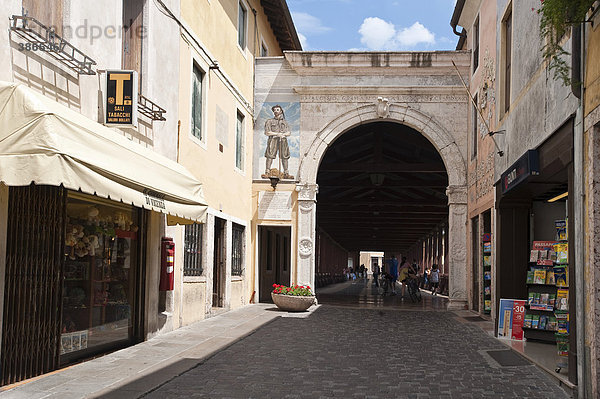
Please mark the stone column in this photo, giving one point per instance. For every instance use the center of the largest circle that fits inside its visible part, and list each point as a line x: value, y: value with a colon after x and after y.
x: 307, y: 213
x: 457, y: 219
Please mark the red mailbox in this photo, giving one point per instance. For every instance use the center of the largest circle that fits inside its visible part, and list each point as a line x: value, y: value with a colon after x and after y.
x: 167, y: 264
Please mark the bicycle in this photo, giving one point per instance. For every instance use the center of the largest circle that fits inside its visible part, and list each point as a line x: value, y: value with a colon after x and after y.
x: 386, y: 283
x: 413, y: 289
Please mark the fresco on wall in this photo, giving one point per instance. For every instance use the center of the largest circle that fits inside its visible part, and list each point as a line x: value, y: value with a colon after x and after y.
x: 277, y: 141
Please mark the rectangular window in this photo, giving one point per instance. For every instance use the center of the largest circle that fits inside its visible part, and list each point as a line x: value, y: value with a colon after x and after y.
x: 192, y: 247
x: 242, y: 17
x: 133, y: 25
x: 476, y: 45
x: 197, y: 78
x: 239, y: 141
x: 474, y: 120
x: 237, y: 250
x: 507, y: 59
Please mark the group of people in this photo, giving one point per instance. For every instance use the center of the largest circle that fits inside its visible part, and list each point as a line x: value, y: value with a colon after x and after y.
x: 403, y: 271
x: 351, y: 274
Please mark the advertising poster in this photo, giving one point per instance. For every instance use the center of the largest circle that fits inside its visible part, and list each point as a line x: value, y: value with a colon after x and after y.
x: 510, y: 318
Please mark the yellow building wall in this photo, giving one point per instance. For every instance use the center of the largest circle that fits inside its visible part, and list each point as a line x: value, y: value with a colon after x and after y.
x: 213, y: 26
x: 215, y: 23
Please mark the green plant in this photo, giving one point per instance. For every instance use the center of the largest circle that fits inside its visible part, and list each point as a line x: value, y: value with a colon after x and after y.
x: 297, y: 290
x: 557, y: 16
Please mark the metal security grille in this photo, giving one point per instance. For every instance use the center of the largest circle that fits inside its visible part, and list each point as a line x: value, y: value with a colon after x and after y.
x: 192, y: 257
x: 237, y: 250
x: 33, y: 289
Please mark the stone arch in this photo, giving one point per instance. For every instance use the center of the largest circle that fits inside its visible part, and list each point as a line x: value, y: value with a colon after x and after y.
x: 453, y: 160
x: 441, y: 139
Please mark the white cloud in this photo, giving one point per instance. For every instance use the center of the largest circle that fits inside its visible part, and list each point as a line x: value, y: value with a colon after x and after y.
x: 414, y: 35
x: 308, y: 24
x: 378, y: 34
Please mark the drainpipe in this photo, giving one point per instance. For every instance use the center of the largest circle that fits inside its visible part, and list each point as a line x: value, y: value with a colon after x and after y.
x: 458, y: 8
x: 577, y: 70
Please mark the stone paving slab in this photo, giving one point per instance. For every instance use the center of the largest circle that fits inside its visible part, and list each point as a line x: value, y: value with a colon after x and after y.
x: 362, y: 353
x: 132, y: 371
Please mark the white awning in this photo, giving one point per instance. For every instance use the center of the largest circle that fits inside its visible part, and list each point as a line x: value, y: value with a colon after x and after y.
x: 44, y: 142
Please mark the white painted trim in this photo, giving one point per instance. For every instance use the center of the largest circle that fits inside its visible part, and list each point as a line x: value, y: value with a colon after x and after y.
x: 225, y: 216
x: 242, y: 170
x: 247, y: 8
x: 263, y: 43
x: 195, y: 61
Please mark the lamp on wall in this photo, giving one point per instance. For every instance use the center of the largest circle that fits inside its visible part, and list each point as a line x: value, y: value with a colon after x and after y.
x: 274, y: 181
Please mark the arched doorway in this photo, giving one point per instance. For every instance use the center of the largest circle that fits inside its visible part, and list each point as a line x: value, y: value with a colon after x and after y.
x: 418, y: 127
x: 382, y: 188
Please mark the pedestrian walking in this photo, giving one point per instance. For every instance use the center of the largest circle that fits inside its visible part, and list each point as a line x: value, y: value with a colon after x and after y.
x: 426, y: 278
x: 434, y: 275
x: 405, y: 270
x: 376, y: 272
x: 393, y: 266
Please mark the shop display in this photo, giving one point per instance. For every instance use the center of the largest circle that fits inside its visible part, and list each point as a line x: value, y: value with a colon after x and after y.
x: 487, y: 273
x: 547, y: 317
x: 98, y: 283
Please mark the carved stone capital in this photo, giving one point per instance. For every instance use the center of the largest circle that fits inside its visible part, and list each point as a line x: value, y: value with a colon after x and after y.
x: 457, y: 195
x: 307, y: 191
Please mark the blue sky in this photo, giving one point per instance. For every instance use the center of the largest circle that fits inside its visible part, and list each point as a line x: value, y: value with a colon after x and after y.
x: 374, y: 25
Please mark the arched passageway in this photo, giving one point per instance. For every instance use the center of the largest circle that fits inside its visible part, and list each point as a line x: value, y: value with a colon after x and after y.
x: 382, y: 188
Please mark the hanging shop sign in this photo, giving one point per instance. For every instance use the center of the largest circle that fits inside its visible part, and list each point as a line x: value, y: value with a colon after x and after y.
x: 121, y: 97
x: 527, y: 165
x: 510, y: 318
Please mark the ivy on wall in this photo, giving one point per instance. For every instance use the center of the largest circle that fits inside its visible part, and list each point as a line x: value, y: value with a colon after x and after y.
x: 557, y: 16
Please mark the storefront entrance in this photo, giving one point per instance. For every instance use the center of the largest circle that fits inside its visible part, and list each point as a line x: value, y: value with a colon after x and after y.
x: 273, y: 259
x: 72, y: 283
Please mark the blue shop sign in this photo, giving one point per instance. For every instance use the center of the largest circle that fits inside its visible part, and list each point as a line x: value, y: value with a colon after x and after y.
x: 527, y: 165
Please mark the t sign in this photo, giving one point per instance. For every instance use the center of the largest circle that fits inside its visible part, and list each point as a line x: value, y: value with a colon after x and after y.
x: 121, y: 98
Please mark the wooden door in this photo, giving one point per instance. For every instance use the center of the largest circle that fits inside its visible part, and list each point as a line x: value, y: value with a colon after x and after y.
x: 218, y: 263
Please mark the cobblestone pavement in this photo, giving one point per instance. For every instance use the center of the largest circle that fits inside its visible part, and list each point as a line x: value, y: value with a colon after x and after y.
x: 363, y: 353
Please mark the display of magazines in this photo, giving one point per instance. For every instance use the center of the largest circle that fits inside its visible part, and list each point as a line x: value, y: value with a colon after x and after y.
x: 487, y: 273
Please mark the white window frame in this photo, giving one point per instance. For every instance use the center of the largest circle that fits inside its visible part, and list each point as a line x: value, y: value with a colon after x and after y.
x: 263, y: 44
x: 197, y: 62
x: 242, y: 141
x: 242, y: 46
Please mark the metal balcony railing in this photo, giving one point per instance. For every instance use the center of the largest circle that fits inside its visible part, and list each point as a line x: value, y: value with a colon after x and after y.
x: 41, y: 38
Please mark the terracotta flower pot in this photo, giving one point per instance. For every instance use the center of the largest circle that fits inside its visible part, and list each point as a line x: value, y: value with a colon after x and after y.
x: 292, y: 303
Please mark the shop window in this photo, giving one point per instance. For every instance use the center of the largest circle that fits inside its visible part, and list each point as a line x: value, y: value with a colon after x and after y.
x: 197, y: 81
x: 49, y: 13
x: 242, y: 23
x: 476, y: 45
x: 100, y: 274
x: 192, y: 244
x: 239, y: 141
x: 237, y: 250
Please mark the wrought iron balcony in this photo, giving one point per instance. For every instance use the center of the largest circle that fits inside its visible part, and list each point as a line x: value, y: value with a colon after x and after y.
x: 150, y: 109
x: 42, y: 38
